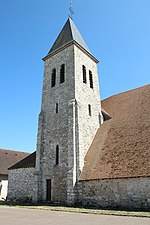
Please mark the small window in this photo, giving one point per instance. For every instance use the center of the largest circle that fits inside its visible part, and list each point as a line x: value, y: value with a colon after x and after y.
x: 53, y: 81
x: 57, y: 154
x: 91, y: 79
x: 62, y: 73
x: 89, y: 106
x: 56, y: 107
x: 84, y: 74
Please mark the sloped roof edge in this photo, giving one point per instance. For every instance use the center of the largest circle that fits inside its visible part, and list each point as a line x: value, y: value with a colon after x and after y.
x: 9, y: 158
x: 123, y: 92
x: 27, y: 162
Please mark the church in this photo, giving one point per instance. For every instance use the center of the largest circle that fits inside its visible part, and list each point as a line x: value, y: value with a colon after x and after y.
x: 89, y: 152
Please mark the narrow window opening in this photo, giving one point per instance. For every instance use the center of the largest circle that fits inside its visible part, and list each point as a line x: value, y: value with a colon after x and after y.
x: 53, y: 81
x: 62, y: 73
x: 57, y: 154
x: 56, y: 107
x: 48, y: 195
x: 89, y: 106
x: 84, y: 74
x: 91, y: 79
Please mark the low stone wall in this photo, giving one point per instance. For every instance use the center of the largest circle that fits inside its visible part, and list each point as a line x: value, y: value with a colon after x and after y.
x: 131, y: 193
x: 21, y: 184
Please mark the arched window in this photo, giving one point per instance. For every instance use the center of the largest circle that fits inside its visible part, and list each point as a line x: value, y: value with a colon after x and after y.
x: 62, y: 73
x: 53, y: 81
x: 57, y: 154
x: 91, y: 79
x: 84, y: 73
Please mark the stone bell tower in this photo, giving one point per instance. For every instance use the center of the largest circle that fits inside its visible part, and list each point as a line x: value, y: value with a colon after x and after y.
x: 69, y: 117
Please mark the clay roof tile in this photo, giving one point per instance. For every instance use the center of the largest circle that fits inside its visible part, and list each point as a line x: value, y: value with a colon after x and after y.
x: 9, y: 158
x: 121, y: 147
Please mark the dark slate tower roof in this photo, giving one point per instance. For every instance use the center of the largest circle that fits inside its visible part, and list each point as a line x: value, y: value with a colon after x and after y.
x: 68, y: 34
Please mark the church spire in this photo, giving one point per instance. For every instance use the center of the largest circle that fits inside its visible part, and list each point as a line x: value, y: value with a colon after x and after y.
x: 71, y: 12
x: 68, y: 34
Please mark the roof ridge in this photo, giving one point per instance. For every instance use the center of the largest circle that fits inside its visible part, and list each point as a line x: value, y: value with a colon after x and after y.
x: 69, y: 19
x: 76, y: 35
x: 140, y: 87
x: 10, y: 150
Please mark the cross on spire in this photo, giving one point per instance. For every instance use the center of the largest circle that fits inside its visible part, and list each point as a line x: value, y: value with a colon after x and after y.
x: 71, y: 12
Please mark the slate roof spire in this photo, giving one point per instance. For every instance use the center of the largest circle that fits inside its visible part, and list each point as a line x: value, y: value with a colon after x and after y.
x: 69, y: 33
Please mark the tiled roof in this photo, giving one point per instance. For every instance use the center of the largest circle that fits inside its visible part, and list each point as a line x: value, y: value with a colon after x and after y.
x: 9, y: 158
x: 121, y: 147
x: 27, y: 162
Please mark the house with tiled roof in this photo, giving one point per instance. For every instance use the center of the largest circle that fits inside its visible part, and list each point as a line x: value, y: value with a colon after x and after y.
x: 89, y: 152
x: 7, y: 159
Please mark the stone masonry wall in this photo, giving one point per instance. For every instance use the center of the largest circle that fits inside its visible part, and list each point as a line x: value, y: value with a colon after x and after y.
x: 85, y: 95
x: 132, y: 193
x: 21, y: 184
x: 72, y: 128
x: 53, y: 128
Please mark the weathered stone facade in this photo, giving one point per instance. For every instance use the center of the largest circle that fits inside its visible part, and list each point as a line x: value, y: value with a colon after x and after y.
x: 21, y: 185
x: 72, y: 128
x: 131, y: 193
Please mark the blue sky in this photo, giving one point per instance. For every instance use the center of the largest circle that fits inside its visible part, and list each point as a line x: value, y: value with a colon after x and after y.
x: 117, y: 32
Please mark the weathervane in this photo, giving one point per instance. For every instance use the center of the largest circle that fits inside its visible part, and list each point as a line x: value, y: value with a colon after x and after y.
x: 71, y: 12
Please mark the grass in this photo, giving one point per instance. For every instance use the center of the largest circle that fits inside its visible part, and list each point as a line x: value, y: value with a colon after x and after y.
x: 77, y: 209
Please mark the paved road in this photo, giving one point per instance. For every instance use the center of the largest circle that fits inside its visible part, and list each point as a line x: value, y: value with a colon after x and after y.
x: 13, y: 216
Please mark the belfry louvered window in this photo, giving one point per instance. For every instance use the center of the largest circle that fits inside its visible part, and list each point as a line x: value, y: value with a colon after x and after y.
x: 62, y: 73
x: 57, y: 154
x: 53, y: 80
x: 84, y: 73
x: 91, y: 79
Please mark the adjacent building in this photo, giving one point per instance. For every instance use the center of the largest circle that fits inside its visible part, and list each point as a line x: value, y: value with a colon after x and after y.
x: 7, y: 159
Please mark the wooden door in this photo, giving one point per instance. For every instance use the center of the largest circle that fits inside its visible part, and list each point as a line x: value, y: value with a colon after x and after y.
x: 48, y: 198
